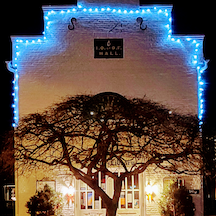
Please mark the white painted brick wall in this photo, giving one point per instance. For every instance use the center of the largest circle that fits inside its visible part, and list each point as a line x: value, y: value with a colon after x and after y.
x: 64, y: 63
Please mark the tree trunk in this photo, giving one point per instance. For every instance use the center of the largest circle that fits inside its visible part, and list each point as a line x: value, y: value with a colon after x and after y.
x: 111, y: 210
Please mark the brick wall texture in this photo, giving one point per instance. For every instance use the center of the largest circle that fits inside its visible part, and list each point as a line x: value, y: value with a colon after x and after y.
x: 64, y: 64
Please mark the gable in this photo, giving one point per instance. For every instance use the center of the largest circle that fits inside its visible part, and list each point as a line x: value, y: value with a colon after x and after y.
x: 165, y: 68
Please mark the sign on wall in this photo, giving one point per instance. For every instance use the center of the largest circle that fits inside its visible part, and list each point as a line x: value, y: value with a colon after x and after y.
x: 108, y: 48
x: 193, y: 191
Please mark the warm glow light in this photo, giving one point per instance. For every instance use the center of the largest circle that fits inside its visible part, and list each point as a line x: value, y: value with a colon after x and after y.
x: 148, y: 189
x: 151, y: 191
x: 71, y: 190
x: 155, y: 189
x: 68, y: 190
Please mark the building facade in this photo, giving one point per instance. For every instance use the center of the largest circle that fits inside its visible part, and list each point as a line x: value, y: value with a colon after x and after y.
x: 107, y: 46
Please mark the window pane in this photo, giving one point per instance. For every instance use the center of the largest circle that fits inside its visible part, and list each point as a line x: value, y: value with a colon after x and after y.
x: 83, y: 200
x: 130, y: 199
x: 136, y: 199
x: 136, y: 181
x: 82, y: 185
x: 129, y: 182
x: 89, y: 200
x: 96, y: 204
x: 122, y: 199
x: 167, y: 182
x: 103, y: 181
x: 123, y: 184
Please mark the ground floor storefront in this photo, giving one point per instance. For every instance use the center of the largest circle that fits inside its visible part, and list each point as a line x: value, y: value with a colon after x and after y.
x: 139, y: 194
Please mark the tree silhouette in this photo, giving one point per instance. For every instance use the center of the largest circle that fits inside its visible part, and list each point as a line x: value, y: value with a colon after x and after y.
x: 90, y: 133
x: 176, y: 201
x: 45, y: 202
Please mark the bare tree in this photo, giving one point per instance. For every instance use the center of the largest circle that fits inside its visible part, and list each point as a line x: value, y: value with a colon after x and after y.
x: 88, y: 133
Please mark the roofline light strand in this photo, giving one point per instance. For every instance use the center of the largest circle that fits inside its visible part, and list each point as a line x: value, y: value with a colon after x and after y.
x: 153, y: 10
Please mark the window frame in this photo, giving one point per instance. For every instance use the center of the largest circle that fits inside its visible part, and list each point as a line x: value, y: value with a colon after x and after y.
x: 133, y: 190
x: 89, y: 190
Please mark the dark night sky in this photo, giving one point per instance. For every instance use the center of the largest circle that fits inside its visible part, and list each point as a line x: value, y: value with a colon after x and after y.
x: 24, y: 18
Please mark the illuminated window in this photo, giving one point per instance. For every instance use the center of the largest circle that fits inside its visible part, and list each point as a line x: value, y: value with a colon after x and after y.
x: 129, y: 198
x: 88, y: 198
x: 9, y: 193
x: 167, y: 181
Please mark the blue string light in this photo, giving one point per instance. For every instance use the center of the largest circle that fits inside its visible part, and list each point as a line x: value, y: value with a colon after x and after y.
x: 151, y: 11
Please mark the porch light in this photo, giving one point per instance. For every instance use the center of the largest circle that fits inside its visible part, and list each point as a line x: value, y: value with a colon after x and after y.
x: 71, y: 190
x: 68, y: 190
x: 151, y: 191
x: 68, y: 193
